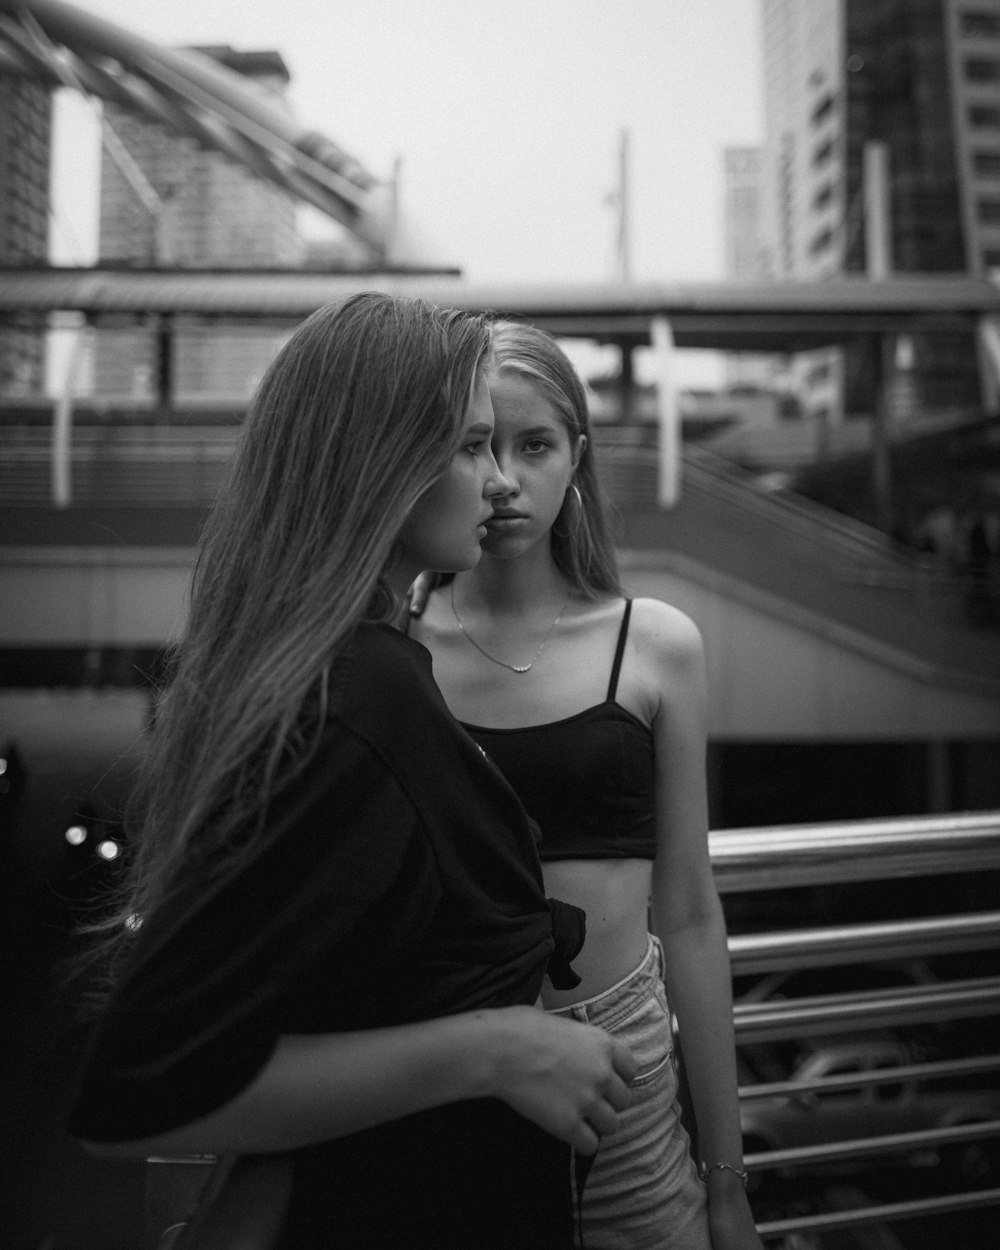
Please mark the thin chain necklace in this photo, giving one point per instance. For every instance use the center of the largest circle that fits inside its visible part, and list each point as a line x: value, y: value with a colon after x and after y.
x: 514, y: 668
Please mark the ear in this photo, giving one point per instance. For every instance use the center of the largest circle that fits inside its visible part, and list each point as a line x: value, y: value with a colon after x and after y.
x: 579, y: 448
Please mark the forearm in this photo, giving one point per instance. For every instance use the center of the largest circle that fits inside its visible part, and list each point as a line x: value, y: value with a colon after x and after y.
x: 699, y: 987
x: 316, y: 1087
x: 566, y: 1077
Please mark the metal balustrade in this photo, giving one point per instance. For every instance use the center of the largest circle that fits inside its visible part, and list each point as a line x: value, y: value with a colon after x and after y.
x: 749, y: 862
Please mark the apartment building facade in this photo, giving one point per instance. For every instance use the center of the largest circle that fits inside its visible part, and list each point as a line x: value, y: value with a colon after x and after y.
x: 888, y: 109
x: 25, y: 156
x: 168, y: 203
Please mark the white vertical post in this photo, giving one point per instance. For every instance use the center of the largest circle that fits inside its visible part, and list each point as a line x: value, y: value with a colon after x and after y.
x: 667, y: 411
x: 62, y: 423
x: 989, y: 356
x: 878, y: 234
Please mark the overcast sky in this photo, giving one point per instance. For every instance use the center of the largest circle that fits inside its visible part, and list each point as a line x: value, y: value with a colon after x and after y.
x: 505, y: 114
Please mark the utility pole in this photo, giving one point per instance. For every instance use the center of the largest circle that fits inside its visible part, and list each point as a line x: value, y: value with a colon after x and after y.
x: 623, y: 267
x: 621, y: 200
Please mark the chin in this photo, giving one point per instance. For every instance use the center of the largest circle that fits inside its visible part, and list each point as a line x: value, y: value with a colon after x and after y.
x: 501, y: 549
x: 469, y: 562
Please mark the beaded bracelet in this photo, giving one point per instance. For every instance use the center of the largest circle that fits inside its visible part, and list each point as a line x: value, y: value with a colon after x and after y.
x: 704, y: 1170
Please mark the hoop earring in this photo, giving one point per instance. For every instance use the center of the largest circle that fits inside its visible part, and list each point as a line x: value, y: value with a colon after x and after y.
x: 567, y: 530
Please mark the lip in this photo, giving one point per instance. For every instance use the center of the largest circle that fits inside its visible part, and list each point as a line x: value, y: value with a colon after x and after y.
x: 506, y: 516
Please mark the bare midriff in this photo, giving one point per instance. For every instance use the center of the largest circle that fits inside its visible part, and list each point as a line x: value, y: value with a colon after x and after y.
x: 615, y: 895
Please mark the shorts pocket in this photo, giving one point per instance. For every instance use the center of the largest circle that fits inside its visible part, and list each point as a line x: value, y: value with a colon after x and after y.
x: 646, y: 1032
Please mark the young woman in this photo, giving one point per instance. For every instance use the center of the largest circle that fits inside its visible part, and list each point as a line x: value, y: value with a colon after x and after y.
x: 335, y: 930
x: 593, y: 706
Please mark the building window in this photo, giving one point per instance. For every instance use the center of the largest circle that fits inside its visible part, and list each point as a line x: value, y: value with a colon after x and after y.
x: 821, y: 242
x: 987, y: 164
x: 982, y: 69
x: 984, y: 116
x: 975, y: 22
x: 823, y: 197
x: 822, y: 154
x: 988, y: 212
x: 823, y: 109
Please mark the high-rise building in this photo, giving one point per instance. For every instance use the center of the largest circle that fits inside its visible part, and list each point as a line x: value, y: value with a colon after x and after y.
x: 167, y: 202
x: 25, y: 150
x: 910, y: 88
x: 746, y: 256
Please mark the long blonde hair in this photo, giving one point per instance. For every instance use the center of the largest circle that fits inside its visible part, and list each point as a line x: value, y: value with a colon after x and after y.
x: 356, y: 416
x: 582, y: 544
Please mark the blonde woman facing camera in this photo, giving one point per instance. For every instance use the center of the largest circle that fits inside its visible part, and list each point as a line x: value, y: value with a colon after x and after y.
x: 593, y: 707
x: 338, y: 954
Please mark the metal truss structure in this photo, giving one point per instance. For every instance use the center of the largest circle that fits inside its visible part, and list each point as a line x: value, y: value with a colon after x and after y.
x: 190, y: 94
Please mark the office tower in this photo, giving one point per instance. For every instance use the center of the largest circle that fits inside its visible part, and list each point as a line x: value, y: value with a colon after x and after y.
x: 746, y: 254
x: 906, y: 91
x: 168, y: 203
x: 25, y: 147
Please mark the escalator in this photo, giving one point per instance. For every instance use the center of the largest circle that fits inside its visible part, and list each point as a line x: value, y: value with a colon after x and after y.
x: 803, y: 560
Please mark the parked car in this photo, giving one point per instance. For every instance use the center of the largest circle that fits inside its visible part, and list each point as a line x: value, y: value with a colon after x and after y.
x: 777, y: 1060
x: 814, y: 1117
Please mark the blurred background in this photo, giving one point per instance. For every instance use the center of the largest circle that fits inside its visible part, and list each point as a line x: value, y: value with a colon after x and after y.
x: 768, y: 233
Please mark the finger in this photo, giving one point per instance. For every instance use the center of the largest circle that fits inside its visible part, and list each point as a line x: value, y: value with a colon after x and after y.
x: 618, y: 1093
x: 603, y: 1119
x: 624, y: 1061
x: 584, y: 1140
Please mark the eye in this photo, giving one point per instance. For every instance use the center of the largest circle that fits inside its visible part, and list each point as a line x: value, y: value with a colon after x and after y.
x: 475, y: 446
x: 536, y: 445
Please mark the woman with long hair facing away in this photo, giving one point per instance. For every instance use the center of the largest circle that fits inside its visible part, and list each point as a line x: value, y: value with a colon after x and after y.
x: 334, y: 931
x: 593, y: 707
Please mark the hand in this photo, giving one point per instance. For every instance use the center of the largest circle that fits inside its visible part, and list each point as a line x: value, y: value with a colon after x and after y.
x: 569, y: 1078
x: 420, y: 592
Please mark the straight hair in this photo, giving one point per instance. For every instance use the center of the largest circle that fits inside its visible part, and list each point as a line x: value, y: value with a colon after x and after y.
x: 357, y: 415
x: 582, y: 545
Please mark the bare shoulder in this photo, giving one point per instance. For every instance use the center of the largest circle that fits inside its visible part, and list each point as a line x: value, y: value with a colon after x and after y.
x: 665, y: 678
x: 665, y: 635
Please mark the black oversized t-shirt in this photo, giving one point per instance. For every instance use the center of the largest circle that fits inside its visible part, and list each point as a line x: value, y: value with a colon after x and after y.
x: 396, y: 881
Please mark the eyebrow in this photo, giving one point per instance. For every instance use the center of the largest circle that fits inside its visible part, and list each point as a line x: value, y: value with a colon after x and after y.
x: 546, y: 428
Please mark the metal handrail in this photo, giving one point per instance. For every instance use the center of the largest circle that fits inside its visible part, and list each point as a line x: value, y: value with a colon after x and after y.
x: 828, y: 1221
x: 898, y: 939
x: 867, y: 1009
x: 943, y: 1069
x: 867, y: 1147
x: 857, y: 851
x: 850, y: 851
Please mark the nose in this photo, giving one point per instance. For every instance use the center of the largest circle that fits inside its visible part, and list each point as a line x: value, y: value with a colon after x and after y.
x: 498, y: 483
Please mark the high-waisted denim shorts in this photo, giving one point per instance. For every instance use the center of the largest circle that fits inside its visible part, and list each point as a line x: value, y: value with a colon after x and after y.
x: 642, y: 1191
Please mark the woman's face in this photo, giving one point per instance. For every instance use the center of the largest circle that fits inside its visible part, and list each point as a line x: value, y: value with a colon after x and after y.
x: 537, y: 459
x: 443, y: 531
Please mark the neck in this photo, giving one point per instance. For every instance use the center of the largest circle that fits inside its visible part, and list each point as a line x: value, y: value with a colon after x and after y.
x: 512, y: 586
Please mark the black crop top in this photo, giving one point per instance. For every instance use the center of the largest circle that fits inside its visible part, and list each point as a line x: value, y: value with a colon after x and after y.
x: 587, y: 780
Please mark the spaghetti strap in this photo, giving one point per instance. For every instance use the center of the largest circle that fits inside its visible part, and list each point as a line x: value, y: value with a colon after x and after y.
x: 619, y: 652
